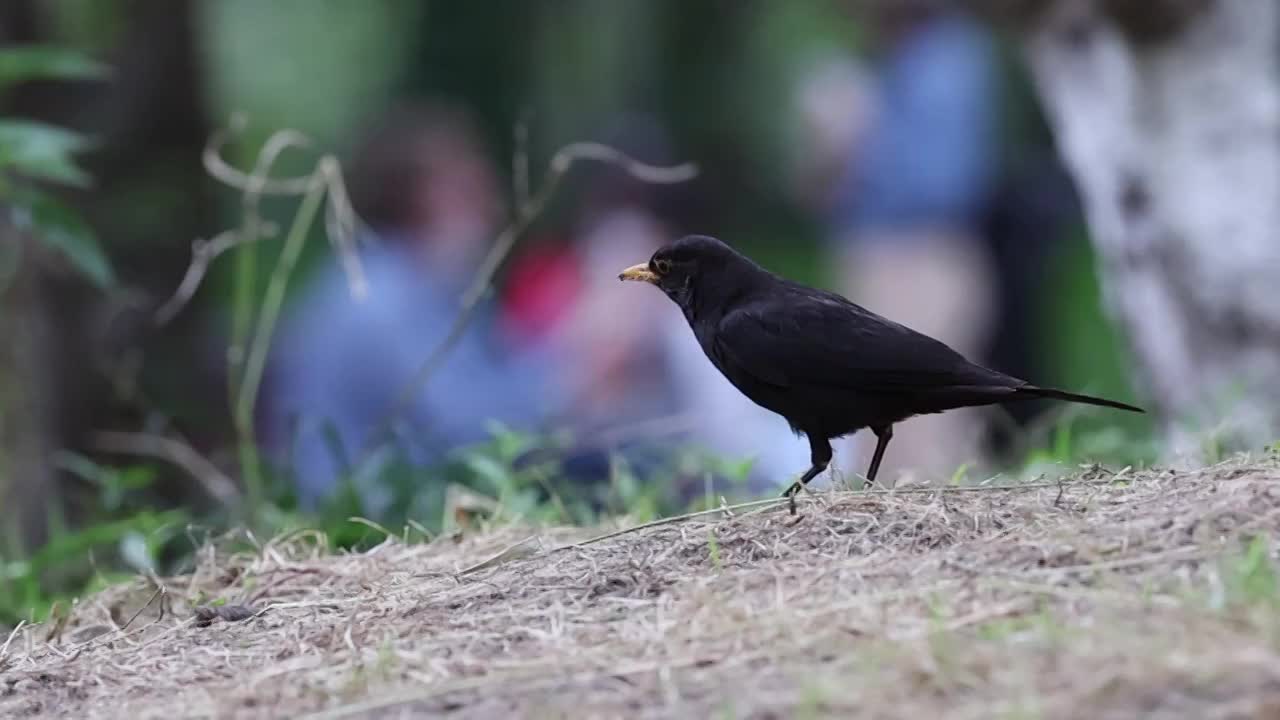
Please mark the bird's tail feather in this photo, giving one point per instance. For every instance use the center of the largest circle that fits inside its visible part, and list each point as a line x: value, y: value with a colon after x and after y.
x: 1042, y: 392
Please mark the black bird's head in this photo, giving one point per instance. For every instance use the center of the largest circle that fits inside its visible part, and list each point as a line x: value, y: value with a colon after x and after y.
x: 695, y: 271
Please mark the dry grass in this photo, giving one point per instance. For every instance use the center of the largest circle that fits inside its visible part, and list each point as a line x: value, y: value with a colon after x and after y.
x: 1153, y: 594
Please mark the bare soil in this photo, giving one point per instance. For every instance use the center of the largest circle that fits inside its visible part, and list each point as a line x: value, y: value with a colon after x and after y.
x: 1113, y: 595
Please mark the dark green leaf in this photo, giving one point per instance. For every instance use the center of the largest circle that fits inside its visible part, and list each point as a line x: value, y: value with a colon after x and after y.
x: 32, y: 62
x: 61, y: 228
x: 41, y: 151
x: 70, y: 547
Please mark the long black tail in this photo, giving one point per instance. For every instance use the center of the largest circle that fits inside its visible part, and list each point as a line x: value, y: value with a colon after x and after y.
x: 1041, y: 392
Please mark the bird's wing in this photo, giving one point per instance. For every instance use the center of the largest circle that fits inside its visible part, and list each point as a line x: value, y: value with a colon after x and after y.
x: 818, y: 339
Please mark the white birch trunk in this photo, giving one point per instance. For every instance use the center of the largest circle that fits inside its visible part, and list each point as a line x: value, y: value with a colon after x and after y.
x: 1175, y: 147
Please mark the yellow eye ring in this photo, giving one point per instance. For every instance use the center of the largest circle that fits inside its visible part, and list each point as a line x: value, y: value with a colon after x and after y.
x: 662, y: 266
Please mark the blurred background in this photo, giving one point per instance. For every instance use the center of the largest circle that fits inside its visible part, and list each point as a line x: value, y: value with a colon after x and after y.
x: 895, y: 152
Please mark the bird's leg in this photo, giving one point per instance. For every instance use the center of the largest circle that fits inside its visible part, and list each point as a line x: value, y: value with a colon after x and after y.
x: 883, y: 436
x: 819, y: 457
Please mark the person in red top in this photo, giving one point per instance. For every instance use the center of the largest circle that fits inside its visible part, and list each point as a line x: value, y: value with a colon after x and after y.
x: 653, y: 397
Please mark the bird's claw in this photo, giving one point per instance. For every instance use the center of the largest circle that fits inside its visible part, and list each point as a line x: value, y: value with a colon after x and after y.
x: 790, y: 494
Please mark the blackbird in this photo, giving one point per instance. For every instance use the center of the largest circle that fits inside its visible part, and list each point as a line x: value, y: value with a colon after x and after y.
x: 827, y: 365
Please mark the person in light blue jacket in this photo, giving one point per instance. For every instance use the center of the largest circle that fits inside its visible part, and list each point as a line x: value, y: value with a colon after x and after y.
x: 907, y: 220
x: 341, y: 364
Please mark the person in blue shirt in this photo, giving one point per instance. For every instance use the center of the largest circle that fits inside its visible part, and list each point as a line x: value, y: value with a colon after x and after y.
x: 429, y: 198
x: 910, y: 202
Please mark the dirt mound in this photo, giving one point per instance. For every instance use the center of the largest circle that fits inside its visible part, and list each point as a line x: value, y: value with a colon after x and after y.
x: 1119, y: 595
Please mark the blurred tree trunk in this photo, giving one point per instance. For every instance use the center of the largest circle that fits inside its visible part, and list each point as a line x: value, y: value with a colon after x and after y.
x: 1168, y: 114
x: 26, y: 387
x: 67, y: 353
x: 27, y: 399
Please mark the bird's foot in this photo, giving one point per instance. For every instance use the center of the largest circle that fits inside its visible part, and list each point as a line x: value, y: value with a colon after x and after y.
x: 791, y: 493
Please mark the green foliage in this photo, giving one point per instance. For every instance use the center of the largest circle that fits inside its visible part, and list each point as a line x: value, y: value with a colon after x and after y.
x: 71, y: 560
x: 1250, y: 578
x: 42, y: 152
x: 113, y: 484
x: 42, y: 62
x: 713, y: 549
x: 32, y: 153
x: 1082, y: 350
x: 512, y: 477
x: 121, y: 535
x: 1074, y: 440
x: 62, y: 229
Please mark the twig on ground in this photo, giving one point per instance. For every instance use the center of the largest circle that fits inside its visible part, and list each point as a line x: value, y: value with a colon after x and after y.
x: 511, y: 552
x: 160, y: 590
x: 764, y: 504
x: 668, y: 521
x: 4, y: 650
x: 1000, y: 596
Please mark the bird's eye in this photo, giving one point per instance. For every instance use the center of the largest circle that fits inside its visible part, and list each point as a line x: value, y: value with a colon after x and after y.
x: 662, y: 265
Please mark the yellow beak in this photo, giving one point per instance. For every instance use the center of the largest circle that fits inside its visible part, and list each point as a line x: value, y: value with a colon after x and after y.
x: 639, y: 272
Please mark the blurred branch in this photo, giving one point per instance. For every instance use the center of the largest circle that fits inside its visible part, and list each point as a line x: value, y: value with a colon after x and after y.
x: 228, y: 175
x: 243, y: 306
x: 525, y: 214
x: 254, y: 321
x: 252, y: 332
x: 341, y: 222
x: 340, y: 219
x: 273, y: 300
x: 663, y: 426
x: 520, y: 161
x: 203, y: 252
x: 214, y: 481
x: 559, y: 166
x: 656, y: 174
x: 250, y: 231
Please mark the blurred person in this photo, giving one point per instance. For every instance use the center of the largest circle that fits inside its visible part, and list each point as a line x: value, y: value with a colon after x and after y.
x: 422, y: 183
x: 1032, y: 209
x: 621, y: 375
x: 629, y: 362
x: 908, y: 206
x: 561, y: 294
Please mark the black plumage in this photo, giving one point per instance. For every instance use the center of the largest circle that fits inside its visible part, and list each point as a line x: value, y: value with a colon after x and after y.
x: 827, y: 365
